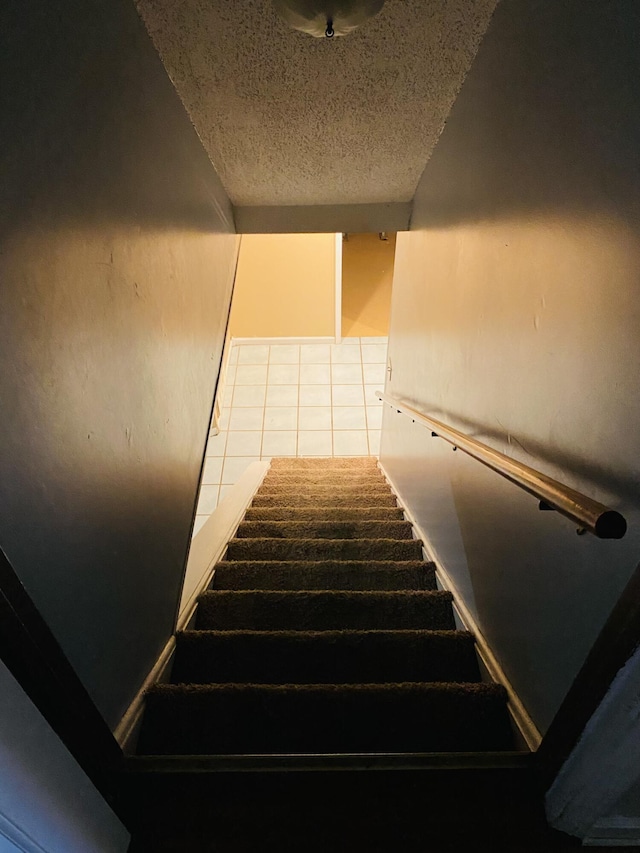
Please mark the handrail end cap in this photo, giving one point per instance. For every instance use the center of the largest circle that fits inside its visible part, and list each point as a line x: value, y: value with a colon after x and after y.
x: 610, y: 525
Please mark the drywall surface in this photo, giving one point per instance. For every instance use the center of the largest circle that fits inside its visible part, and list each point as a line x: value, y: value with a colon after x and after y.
x: 321, y: 218
x: 117, y: 255
x: 285, y: 286
x: 601, y: 778
x: 46, y: 801
x: 367, y: 276
x: 515, y: 318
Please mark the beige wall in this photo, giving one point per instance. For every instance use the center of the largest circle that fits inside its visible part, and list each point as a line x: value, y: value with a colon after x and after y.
x: 117, y: 269
x: 515, y: 318
x: 285, y: 286
x: 367, y: 276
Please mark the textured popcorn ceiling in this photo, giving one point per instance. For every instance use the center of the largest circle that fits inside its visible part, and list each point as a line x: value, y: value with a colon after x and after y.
x: 292, y: 120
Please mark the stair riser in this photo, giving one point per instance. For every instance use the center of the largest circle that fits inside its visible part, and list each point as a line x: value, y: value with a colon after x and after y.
x: 376, y: 812
x: 324, y: 658
x: 332, y: 500
x: 321, y: 477
x: 394, y: 718
x: 330, y: 575
x: 324, y: 463
x: 324, y: 549
x: 277, y: 483
x: 343, y: 488
x: 325, y: 530
x: 324, y: 513
x: 324, y: 611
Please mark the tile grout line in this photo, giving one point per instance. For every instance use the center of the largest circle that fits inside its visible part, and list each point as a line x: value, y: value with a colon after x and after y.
x: 332, y: 360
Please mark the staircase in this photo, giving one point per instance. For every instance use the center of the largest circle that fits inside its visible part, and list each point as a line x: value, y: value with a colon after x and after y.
x: 323, y: 644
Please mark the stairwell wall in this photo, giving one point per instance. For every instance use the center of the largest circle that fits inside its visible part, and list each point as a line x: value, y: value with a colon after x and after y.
x: 47, y: 803
x: 117, y: 257
x: 515, y: 317
x: 285, y: 286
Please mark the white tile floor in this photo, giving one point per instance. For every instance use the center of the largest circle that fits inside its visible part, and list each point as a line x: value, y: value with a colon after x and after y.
x: 294, y: 400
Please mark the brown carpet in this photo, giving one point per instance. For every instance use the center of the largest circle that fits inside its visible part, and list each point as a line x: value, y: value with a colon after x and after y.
x: 324, y: 513
x: 323, y: 632
x: 324, y: 574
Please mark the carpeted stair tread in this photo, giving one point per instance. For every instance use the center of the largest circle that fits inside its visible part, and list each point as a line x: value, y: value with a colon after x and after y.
x: 324, y: 574
x: 342, y: 488
x: 332, y: 499
x: 351, y: 718
x: 324, y: 513
x: 324, y: 657
x: 324, y: 463
x: 325, y: 530
x: 292, y: 480
x: 324, y: 549
x: 325, y: 473
x: 323, y: 610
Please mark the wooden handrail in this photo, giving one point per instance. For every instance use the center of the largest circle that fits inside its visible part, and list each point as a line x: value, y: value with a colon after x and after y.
x: 589, y: 515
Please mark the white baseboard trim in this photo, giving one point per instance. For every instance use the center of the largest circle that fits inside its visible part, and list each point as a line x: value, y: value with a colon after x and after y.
x: 210, y: 542
x: 529, y: 731
x: 207, y: 548
x: 319, y: 339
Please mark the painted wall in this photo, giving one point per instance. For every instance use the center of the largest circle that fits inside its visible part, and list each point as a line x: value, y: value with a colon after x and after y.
x: 117, y: 255
x: 323, y: 218
x: 515, y: 317
x: 45, y: 798
x: 367, y: 276
x: 285, y: 286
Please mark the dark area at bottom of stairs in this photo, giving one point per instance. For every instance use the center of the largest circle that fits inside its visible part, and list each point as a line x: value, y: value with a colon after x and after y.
x: 323, y: 632
x: 404, y: 811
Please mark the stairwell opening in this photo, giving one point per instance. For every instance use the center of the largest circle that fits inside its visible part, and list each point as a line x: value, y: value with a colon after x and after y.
x: 306, y: 350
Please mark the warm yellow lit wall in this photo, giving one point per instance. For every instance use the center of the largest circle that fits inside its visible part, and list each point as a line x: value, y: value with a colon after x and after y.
x: 285, y: 286
x: 367, y: 276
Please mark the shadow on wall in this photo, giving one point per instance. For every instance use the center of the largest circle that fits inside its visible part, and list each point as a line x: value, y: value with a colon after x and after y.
x: 561, y: 141
x: 117, y: 255
x: 516, y: 310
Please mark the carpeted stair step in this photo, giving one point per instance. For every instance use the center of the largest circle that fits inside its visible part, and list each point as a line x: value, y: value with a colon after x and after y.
x: 378, y: 498
x: 324, y: 530
x: 324, y: 610
x: 324, y: 463
x: 324, y: 549
x: 325, y: 495
x: 323, y: 478
x: 327, y: 574
x: 323, y: 632
x: 324, y: 513
x: 343, y: 486
x: 257, y: 719
x: 324, y: 657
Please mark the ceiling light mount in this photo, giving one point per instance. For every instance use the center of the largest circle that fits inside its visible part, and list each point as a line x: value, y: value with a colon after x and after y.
x: 327, y: 18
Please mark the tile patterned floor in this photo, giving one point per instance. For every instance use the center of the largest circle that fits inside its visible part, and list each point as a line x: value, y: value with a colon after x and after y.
x: 294, y: 400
